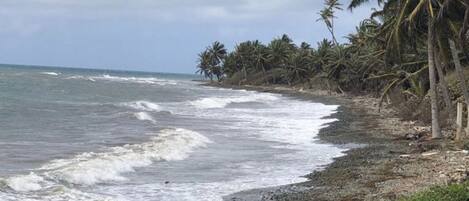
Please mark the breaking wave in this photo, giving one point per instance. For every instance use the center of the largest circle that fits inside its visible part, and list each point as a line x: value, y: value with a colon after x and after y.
x: 219, y: 102
x: 24, y: 183
x: 50, y: 73
x: 140, y: 80
x: 143, y: 105
x: 91, y: 168
x: 143, y: 116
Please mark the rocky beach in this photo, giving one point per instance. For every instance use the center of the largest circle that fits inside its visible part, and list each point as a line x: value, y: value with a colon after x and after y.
x: 387, y: 159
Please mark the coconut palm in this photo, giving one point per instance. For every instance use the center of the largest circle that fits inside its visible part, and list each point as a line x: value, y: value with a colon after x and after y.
x: 217, y: 52
x: 204, y: 64
x: 278, y: 52
x: 404, y: 47
x: 299, y: 65
x: 327, y: 15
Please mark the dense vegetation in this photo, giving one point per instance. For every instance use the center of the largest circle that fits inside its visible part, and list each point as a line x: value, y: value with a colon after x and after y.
x: 411, y: 50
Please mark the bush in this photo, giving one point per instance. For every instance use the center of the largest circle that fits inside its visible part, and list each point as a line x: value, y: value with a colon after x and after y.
x: 453, y: 192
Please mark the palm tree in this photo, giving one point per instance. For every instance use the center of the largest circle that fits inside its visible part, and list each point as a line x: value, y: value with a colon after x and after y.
x: 321, y: 55
x: 260, y: 58
x: 244, y: 57
x: 204, y: 65
x: 299, y: 65
x: 391, y: 51
x: 436, y: 131
x: 278, y: 52
x: 230, y: 66
x: 217, y: 54
x: 459, y: 71
x: 413, y: 13
x: 328, y: 14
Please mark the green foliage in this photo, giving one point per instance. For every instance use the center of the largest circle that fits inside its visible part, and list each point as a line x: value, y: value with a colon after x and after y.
x: 211, y: 61
x: 453, y: 192
x: 387, y: 51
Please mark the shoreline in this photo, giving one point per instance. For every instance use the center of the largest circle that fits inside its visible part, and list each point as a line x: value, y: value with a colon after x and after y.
x: 383, y: 161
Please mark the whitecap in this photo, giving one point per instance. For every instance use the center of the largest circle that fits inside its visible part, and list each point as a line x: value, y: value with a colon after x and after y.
x: 91, y: 168
x: 24, y: 183
x: 143, y: 105
x: 143, y: 116
x: 50, y: 73
x: 140, y: 80
x: 221, y: 102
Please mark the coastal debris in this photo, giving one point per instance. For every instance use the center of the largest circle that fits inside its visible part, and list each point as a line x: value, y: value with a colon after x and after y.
x: 430, y: 153
x: 414, y: 136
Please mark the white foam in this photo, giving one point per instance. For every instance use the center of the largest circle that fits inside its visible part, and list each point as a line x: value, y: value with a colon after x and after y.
x: 143, y: 105
x: 140, y: 80
x: 47, y: 182
x: 143, y: 116
x: 221, y: 102
x: 91, y: 168
x: 61, y: 193
x: 24, y: 183
x: 50, y: 73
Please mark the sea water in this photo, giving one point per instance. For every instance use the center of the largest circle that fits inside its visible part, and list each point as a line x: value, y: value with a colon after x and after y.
x: 80, y: 134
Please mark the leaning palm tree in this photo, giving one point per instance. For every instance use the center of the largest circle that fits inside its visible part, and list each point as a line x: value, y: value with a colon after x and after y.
x: 450, y: 17
x: 412, y: 14
x: 327, y: 15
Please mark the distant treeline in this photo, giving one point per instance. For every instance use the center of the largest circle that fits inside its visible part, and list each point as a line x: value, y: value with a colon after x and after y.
x: 412, y: 49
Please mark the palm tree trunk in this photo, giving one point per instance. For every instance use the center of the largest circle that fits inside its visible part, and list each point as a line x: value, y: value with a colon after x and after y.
x: 443, y: 84
x: 245, y: 73
x: 332, y: 32
x: 459, y: 71
x: 436, y: 131
x: 264, y: 75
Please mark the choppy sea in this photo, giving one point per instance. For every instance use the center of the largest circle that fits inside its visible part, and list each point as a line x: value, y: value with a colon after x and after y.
x: 84, y: 135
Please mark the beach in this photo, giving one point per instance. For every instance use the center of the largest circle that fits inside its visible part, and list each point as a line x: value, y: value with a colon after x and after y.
x: 85, y: 134
x: 383, y: 162
x: 74, y: 134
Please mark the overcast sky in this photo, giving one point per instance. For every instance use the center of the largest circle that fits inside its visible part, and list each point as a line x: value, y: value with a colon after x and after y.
x: 151, y: 35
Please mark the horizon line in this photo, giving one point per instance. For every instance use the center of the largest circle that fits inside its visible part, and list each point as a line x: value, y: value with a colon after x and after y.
x: 91, y: 68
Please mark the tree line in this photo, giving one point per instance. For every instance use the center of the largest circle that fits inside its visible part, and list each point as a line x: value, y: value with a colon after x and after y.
x: 416, y: 48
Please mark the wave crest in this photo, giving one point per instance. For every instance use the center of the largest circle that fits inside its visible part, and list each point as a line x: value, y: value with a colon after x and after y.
x: 143, y: 116
x: 139, y: 80
x: 50, y: 73
x: 218, y: 102
x: 91, y: 168
x: 143, y: 105
x: 25, y: 183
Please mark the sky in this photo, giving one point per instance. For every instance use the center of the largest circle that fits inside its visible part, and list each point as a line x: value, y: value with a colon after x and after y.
x: 152, y: 35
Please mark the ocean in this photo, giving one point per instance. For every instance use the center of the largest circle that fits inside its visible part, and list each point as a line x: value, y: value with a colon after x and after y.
x: 84, y: 135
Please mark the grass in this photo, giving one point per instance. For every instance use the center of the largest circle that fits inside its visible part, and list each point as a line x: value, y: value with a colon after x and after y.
x: 453, y: 192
